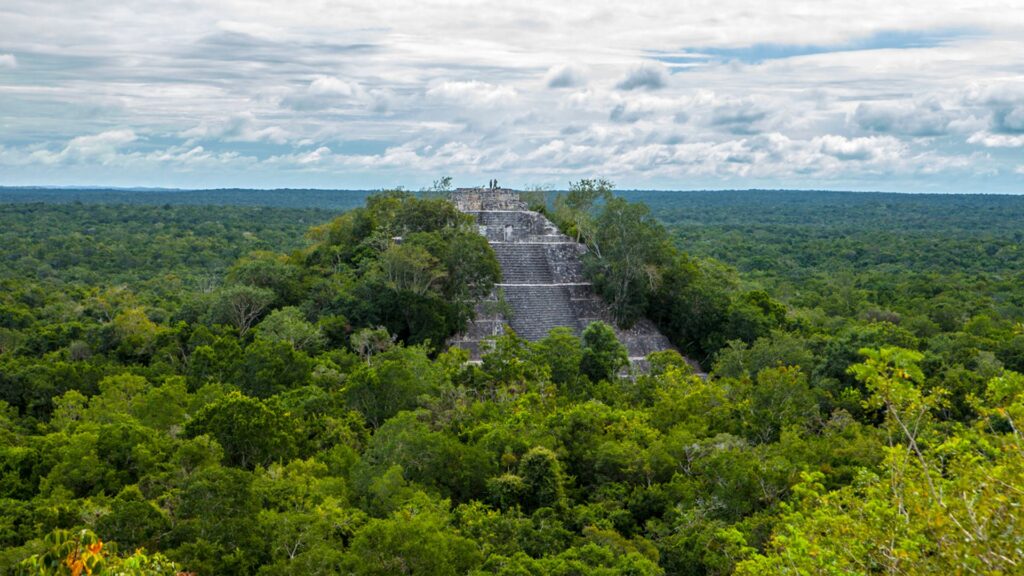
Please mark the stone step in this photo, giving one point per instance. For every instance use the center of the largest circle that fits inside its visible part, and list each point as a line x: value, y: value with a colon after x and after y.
x: 539, y: 308
x: 523, y: 263
x: 554, y: 238
x: 567, y: 272
x: 539, y: 262
x: 592, y: 307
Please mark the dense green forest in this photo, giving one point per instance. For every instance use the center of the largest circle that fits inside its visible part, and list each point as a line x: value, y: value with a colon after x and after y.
x: 255, y: 390
x: 335, y: 200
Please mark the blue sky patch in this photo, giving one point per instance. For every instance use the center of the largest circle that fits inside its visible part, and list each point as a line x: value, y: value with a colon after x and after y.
x: 761, y: 52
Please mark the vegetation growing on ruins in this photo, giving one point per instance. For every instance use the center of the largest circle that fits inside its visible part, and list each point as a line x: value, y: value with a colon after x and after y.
x: 200, y: 389
x: 634, y: 265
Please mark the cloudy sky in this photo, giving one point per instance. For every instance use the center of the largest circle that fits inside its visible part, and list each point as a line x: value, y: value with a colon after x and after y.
x: 862, y: 95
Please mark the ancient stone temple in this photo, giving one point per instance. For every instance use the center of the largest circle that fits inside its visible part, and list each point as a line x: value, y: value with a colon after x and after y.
x: 542, y: 282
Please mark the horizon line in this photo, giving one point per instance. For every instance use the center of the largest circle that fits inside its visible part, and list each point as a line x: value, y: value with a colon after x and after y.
x: 143, y: 189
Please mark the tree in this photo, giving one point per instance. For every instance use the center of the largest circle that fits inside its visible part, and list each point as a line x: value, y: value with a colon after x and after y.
x: 751, y: 315
x: 135, y: 334
x: 508, y: 365
x: 562, y: 352
x: 433, y: 459
x: 939, y: 503
x: 779, y: 398
x: 542, y: 479
x: 271, y: 271
x: 536, y: 198
x: 215, y: 526
x: 739, y: 359
x: 415, y: 540
x: 575, y: 208
x: 394, y: 382
x: 472, y: 267
x: 250, y: 432
x: 270, y: 367
x: 304, y: 520
x: 289, y: 325
x: 409, y: 268
x: 118, y: 398
x: 133, y: 521
x: 628, y: 250
x: 370, y: 341
x: 163, y: 407
x: 690, y: 304
x: 241, y: 306
x: 603, y: 354
x: 440, y: 188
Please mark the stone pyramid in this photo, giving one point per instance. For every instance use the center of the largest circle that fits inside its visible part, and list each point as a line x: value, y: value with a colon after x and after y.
x: 542, y: 284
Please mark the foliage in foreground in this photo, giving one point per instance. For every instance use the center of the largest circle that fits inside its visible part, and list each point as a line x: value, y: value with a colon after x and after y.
x: 82, y: 552
x: 942, y: 502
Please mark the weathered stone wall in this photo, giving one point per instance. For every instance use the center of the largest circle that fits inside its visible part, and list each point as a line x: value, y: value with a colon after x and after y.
x: 542, y: 278
x: 475, y: 199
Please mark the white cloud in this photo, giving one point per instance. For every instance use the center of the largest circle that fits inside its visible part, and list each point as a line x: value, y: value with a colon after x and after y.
x: 565, y: 76
x: 240, y: 127
x: 472, y: 93
x: 927, y: 117
x: 101, y: 148
x: 8, y: 61
x: 1003, y: 104
x: 331, y: 86
x: 996, y: 92
x: 329, y: 92
x: 626, y: 113
x: 990, y: 140
x: 316, y: 156
x: 189, y: 159
x: 860, y: 149
x: 645, y: 76
x: 1009, y: 119
x: 741, y: 116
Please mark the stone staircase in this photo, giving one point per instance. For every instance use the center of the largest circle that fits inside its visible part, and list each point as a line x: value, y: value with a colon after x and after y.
x: 538, y: 308
x: 542, y: 278
x: 523, y: 263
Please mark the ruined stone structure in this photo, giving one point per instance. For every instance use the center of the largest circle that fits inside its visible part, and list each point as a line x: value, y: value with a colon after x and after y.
x: 542, y: 278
